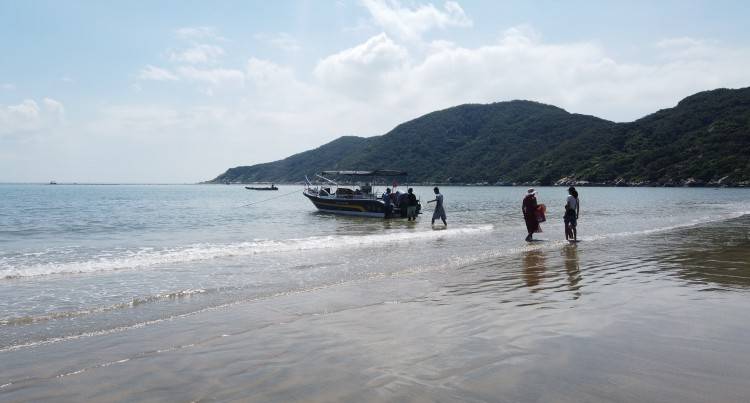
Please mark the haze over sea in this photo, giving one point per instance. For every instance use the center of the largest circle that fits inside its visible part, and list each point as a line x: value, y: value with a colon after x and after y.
x: 187, y: 293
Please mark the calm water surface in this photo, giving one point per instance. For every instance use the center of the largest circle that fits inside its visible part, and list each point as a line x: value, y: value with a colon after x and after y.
x: 168, y: 286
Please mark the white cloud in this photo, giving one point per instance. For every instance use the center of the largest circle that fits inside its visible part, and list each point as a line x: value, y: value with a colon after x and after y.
x: 686, y: 48
x: 371, y: 87
x: 55, y: 107
x: 264, y: 72
x: 678, y: 42
x: 154, y: 73
x: 21, y: 117
x: 369, y: 69
x: 153, y: 120
x: 264, y: 110
x: 411, y: 23
x: 197, y: 54
x: 214, y: 78
x: 521, y: 35
x: 28, y: 116
x: 580, y: 77
x: 282, y: 40
x: 275, y: 90
x: 198, y: 33
x: 210, y: 79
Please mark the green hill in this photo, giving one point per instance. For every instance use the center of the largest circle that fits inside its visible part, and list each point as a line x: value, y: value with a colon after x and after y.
x: 704, y: 140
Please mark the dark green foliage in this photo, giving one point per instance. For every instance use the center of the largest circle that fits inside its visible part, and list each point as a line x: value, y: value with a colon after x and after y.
x: 705, y: 138
x: 294, y: 168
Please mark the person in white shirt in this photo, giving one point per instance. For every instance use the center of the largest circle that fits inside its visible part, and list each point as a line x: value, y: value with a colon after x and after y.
x: 572, y: 208
x: 439, y: 209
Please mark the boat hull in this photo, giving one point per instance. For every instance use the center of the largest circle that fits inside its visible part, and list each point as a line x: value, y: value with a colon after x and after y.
x: 352, y: 206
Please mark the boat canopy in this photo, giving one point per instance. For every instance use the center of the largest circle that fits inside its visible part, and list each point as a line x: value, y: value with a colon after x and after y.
x: 377, y: 172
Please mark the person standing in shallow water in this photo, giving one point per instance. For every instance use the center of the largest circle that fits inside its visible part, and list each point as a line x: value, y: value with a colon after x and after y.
x: 572, y: 208
x: 411, y: 209
x: 439, y: 209
x: 529, y: 207
x: 387, y: 203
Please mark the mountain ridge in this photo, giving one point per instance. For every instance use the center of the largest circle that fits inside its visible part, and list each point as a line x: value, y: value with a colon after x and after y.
x: 703, y: 140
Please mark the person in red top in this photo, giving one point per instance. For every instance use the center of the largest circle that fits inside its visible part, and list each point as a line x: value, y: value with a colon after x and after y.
x: 529, y: 207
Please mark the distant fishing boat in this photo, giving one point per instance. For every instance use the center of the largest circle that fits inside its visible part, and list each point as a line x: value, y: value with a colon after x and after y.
x: 53, y: 182
x: 360, y: 199
x: 272, y: 187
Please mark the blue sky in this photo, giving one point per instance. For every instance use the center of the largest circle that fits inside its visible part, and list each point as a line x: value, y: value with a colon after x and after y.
x: 178, y: 91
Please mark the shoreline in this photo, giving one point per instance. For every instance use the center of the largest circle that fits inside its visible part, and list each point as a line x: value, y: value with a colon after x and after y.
x: 583, y: 184
x: 540, y: 324
x: 685, y: 184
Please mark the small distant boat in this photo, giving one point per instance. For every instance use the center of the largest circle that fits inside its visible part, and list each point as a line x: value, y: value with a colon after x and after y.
x: 53, y: 182
x: 272, y: 187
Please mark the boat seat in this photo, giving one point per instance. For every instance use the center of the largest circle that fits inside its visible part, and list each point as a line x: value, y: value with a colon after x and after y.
x: 344, y: 192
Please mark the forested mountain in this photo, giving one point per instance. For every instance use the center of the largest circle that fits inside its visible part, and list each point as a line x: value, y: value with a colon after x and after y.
x: 704, y: 140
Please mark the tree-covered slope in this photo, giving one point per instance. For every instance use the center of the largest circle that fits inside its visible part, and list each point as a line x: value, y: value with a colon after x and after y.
x: 294, y: 168
x: 704, y: 139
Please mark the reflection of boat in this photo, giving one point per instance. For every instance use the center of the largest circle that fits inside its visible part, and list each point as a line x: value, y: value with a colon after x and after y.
x: 272, y: 187
x: 358, y: 199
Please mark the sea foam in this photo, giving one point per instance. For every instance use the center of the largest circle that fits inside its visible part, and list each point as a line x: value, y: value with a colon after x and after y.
x: 150, y: 257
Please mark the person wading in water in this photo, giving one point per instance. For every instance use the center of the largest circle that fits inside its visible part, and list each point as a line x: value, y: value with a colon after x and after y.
x: 529, y: 207
x: 411, y: 210
x: 572, y: 207
x: 439, y: 210
x: 387, y: 203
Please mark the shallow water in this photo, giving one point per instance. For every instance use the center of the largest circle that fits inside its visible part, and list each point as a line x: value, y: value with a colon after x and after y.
x: 179, y: 293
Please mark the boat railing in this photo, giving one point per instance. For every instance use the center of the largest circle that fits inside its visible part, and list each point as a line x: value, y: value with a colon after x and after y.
x: 322, y: 192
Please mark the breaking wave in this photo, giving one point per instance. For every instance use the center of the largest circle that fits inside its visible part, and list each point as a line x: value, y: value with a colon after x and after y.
x: 149, y: 257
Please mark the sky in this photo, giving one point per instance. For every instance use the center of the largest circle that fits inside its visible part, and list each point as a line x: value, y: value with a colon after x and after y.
x: 179, y: 91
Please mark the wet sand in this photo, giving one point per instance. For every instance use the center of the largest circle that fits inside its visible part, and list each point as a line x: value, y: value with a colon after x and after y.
x: 659, y: 317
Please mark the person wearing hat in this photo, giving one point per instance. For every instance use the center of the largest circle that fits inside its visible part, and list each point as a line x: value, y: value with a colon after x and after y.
x: 572, y: 207
x: 529, y: 207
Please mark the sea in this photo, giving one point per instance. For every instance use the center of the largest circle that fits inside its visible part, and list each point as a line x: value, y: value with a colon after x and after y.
x: 219, y: 293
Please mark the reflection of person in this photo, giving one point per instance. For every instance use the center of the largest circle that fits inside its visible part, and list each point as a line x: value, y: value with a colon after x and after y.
x: 439, y: 209
x: 572, y: 208
x: 529, y: 207
x: 533, y: 267
x: 573, y: 269
x: 387, y: 200
x: 411, y: 209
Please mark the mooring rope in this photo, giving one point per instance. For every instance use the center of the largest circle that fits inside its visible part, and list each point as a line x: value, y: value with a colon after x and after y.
x: 272, y: 198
